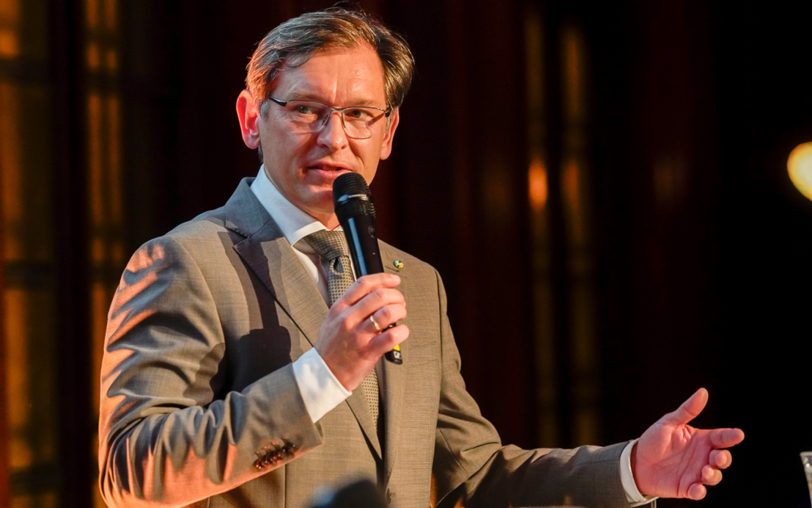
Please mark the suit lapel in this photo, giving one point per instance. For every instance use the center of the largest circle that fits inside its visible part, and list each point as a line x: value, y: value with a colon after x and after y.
x: 358, y: 406
x: 272, y: 260
x: 266, y: 251
x: 270, y: 256
x: 297, y: 294
x: 394, y: 382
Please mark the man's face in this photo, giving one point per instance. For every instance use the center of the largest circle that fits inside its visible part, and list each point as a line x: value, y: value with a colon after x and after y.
x: 304, y: 165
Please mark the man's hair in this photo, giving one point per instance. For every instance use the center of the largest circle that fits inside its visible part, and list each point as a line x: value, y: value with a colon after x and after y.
x: 293, y: 43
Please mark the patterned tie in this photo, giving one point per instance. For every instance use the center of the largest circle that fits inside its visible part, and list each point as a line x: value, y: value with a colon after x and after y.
x: 331, y: 247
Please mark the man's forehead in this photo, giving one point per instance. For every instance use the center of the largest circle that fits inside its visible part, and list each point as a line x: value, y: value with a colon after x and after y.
x: 355, y: 68
x: 332, y: 51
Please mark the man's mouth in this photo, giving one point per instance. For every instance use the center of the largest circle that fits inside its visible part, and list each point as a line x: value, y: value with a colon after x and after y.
x: 328, y: 168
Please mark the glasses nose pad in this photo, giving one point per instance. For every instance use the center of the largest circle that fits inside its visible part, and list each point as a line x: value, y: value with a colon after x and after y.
x: 328, y: 115
x: 331, y: 132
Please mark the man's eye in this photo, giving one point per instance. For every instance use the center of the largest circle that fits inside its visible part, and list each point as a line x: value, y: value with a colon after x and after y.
x: 358, y: 114
x: 303, y: 109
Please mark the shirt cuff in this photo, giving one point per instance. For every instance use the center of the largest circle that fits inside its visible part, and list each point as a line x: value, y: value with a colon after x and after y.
x: 633, y: 494
x: 320, y: 389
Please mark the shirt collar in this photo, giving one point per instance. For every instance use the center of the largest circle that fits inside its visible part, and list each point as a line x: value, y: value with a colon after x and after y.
x: 294, y: 222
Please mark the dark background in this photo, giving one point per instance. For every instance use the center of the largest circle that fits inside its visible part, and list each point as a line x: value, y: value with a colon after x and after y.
x: 696, y: 246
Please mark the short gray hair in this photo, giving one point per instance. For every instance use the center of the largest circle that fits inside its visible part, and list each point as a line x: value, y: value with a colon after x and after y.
x: 293, y: 43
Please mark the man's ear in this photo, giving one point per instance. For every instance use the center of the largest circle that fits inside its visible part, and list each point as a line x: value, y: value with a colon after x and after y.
x: 248, y: 114
x: 386, y: 145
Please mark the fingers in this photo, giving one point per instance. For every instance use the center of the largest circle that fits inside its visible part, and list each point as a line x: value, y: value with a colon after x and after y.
x: 385, y: 317
x: 384, y: 324
x: 370, y: 296
x: 373, y: 303
x: 691, y: 408
x: 725, y: 438
x: 388, y: 339
x: 710, y: 475
x: 348, y: 341
x: 720, y: 459
x: 376, y: 327
x: 364, y: 286
x: 697, y: 491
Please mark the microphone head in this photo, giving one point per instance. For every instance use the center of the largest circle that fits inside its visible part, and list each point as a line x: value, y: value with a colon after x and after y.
x: 351, y: 197
x: 349, y: 184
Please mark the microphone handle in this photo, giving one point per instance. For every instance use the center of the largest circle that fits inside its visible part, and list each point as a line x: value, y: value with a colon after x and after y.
x: 366, y: 259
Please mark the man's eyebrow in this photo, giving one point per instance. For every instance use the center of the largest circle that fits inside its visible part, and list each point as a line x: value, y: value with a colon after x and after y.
x: 312, y: 96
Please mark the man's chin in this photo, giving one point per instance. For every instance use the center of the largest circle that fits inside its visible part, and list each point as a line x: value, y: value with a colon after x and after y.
x: 319, y: 204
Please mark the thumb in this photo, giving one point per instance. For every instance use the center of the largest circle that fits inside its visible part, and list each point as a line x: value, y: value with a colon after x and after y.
x: 691, y: 408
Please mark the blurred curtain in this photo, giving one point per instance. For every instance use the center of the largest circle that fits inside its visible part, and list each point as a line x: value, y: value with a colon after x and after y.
x: 601, y: 186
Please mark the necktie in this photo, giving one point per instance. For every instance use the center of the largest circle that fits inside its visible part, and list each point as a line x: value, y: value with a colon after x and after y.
x: 331, y: 247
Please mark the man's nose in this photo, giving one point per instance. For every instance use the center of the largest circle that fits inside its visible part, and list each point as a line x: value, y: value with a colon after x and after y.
x: 332, y: 134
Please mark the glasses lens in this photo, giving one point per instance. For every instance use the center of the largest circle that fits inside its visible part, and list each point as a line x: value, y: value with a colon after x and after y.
x: 313, y: 116
x: 358, y: 121
x: 306, y: 115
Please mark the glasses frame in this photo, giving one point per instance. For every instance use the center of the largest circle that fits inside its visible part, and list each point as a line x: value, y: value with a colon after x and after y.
x: 384, y: 112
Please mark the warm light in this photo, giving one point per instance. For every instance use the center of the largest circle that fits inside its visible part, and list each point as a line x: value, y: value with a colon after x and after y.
x: 92, y: 56
x: 10, y: 29
x: 799, y: 165
x: 573, y: 62
x: 537, y: 183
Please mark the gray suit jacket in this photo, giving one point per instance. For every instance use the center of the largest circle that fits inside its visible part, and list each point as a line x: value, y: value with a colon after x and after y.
x: 199, y: 405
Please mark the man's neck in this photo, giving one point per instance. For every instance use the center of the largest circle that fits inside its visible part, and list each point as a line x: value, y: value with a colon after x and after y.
x: 294, y: 222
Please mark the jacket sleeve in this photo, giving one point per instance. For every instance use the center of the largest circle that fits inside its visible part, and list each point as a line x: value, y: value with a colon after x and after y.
x: 169, y: 431
x: 472, y: 466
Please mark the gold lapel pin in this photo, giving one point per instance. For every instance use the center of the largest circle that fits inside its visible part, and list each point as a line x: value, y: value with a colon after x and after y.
x: 398, y: 264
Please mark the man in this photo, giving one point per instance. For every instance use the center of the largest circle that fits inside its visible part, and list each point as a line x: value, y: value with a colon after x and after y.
x: 239, y: 371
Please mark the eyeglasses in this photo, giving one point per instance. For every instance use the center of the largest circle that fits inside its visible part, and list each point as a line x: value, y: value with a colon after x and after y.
x: 311, y: 116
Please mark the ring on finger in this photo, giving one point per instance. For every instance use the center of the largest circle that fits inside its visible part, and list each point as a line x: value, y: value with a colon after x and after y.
x: 375, y: 324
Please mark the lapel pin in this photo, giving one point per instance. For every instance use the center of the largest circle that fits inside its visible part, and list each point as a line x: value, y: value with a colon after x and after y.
x: 398, y: 264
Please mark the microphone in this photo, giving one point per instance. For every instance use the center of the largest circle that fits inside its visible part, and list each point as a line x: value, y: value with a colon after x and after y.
x: 356, y: 213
